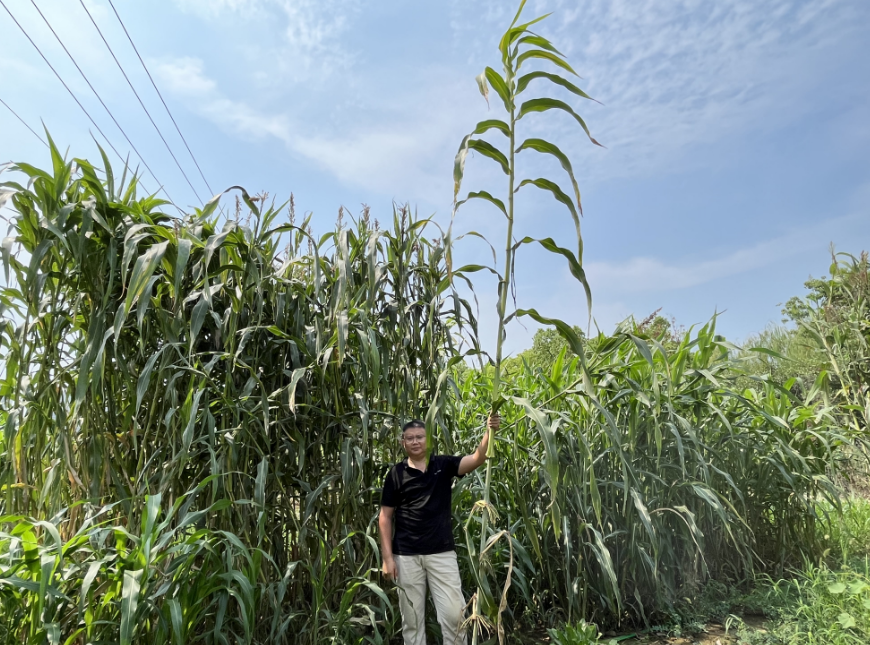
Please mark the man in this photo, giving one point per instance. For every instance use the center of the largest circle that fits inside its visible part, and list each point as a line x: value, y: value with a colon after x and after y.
x: 416, y: 498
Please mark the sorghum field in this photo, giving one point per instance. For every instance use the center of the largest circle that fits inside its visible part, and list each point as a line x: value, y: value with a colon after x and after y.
x: 198, y: 412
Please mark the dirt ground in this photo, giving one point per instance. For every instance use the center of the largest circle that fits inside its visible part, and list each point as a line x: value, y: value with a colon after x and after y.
x: 712, y: 635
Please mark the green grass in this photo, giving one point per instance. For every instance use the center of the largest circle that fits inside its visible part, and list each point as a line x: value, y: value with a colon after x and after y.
x: 819, y: 606
x: 821, y: 603
x: 827, y: 603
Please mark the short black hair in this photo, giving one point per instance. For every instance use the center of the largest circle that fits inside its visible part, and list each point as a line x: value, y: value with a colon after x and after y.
x: 413, y: 423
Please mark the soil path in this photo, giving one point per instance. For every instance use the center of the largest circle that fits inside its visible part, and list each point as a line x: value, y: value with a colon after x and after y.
x: 712, y: 635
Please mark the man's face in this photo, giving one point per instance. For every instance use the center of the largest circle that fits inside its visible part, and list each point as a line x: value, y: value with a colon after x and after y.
x: 414, y: 442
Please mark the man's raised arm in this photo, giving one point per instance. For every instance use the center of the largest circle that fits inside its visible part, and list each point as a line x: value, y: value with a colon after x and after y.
x: 475, y: 460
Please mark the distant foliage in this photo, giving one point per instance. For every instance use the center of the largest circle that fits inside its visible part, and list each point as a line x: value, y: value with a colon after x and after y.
x: 827, y: 353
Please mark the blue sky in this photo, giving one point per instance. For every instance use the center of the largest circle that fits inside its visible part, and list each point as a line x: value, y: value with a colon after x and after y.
x: 737, y: 132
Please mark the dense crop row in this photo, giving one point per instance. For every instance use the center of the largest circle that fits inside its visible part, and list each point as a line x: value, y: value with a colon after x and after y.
x: 197, y: 415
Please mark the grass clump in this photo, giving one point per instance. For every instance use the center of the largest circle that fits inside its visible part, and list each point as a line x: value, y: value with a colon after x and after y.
x: 580, y: 633
x: 819, y: 606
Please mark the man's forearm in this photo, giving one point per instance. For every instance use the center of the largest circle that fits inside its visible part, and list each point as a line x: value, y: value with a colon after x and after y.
x: 385, y: 528
x: 483, y: 446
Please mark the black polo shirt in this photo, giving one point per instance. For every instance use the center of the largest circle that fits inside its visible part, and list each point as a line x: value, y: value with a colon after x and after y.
x: 422, y: 502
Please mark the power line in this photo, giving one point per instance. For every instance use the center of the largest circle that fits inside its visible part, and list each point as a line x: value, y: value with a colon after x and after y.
x: 23, y: 122
x: 75, y: 98
x: 43, y: 142
x: 62, y: 81
x: 158, y: 94
x: 90, y: 85
x: 160, y: 134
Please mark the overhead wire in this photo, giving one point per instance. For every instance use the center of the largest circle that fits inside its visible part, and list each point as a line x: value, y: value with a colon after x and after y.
x: 90, y: 85
x: 83, y: 108
x: 150, y: 78
x: 43, y: 141
x: 108, y: 141
x: 138, y: 98
x: 23, y: 122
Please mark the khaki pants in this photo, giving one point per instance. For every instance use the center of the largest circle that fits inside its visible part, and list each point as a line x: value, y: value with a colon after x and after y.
x: 441, y: 571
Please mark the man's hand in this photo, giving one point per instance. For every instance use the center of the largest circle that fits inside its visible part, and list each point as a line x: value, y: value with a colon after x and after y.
x: 390, y: 569
x: 475, y: 460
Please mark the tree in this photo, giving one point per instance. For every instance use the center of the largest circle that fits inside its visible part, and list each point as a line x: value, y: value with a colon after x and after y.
x: 835, y: 317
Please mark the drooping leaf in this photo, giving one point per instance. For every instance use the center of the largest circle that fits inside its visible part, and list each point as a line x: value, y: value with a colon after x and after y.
x: 545, y: 55
x: 493, y: 124
x: 524, y: 80
x: 488, y: 150
x: 545, y: 147
x: 482, y: 194
x: 544, y: 104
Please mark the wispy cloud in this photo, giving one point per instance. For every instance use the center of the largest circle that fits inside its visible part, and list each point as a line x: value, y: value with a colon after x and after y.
x: 674, y: 76
x: 394, y: 158
x: 677, y: 75
x: 186, y: 78
x: 311, y: 45
x: 651, y: 274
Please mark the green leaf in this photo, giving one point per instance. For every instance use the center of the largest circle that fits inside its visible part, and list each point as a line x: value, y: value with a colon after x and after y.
x: 212, y: 204
x: 545, y: 55
x: 197, y: 318
x: 181, y: 258
x: 260, y: 484
x: 145, y: 379
x: 573, y: 265
x: 556, y: 190
x: 87, y: 581
x: 493, y: 124
x: 523, y: 82
x: 511, y: 35
x: 177, y: 621
x: 544, y: 104
x: 567, y: 332
x: 486, y: 197
x: 129, y: 603
x: 474, y: 268
x: 142, y: 270
x: 548, y: 437
x: 837, y: 588
x: 538, y: 41
x: 519, y: 11
x: 500, y: 86
x: 846, y: 620
x: 187, y: 436
x: 488, y: 150
x: 545, y: 147
x: 643, y: 512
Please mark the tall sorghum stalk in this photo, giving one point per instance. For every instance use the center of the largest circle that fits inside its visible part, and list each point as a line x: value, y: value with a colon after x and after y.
x: 519, y: 45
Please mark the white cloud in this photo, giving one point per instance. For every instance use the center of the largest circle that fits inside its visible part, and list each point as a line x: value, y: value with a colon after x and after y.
x: 186, y: 78
x: 391, y: 158
x: 651, y: 274
x: 215, y: 8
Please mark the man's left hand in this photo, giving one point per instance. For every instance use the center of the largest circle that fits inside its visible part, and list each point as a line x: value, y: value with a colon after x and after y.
x: 493, y: 421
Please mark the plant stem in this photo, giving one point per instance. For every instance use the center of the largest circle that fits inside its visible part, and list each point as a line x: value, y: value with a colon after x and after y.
x: 504, y: 287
